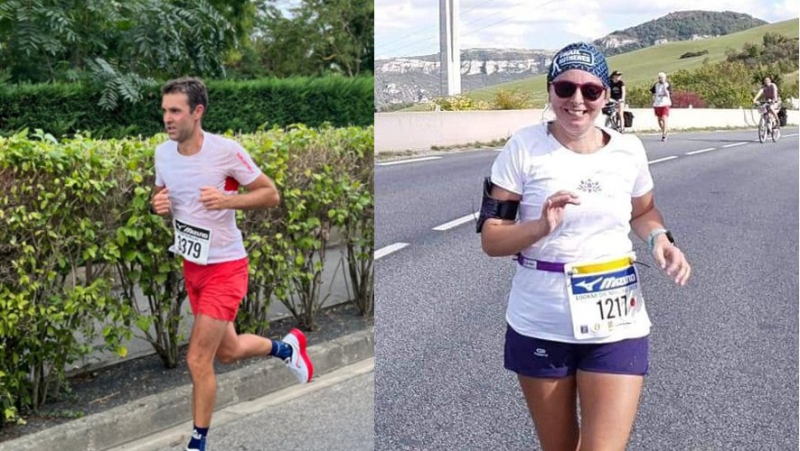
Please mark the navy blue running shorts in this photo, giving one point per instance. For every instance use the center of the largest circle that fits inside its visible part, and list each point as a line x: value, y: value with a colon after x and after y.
x: 533, y: 357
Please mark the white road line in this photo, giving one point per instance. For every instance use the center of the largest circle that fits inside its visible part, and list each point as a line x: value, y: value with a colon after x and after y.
x: 793, y: 134
x: 457, y: 222
x: 734, y: 145
x: 384, y: 251
x: 695, y: 152
x: 662, y: 159
x: 415, y: 160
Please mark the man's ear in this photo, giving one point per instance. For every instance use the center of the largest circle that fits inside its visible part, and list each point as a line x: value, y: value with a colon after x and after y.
x: 199, y: 110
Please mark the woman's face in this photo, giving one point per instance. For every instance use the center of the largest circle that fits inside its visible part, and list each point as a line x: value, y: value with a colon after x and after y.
x: 576, y: 114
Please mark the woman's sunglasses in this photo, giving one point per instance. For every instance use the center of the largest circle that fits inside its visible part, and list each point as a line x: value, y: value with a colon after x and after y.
x: 566, y: 89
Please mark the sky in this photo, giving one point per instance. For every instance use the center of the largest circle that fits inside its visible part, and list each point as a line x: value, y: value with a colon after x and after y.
x: 411, y: 27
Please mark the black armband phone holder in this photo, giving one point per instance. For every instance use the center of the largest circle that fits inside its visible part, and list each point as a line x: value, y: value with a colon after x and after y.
x: 493, y: 208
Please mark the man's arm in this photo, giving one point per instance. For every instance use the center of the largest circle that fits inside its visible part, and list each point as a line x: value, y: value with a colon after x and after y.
x: 160, y: 204
x: 261, y: 194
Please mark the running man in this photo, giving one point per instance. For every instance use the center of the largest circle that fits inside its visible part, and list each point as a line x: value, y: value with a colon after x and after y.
x: 198, y: 175
x: 662, y: 100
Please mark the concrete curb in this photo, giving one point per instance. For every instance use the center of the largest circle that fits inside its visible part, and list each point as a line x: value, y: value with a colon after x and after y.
x: 158, y: 412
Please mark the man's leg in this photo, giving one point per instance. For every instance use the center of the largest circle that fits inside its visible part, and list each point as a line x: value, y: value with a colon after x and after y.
x: 206, y: 336
x: 292, y: 350
x: 235, y: 347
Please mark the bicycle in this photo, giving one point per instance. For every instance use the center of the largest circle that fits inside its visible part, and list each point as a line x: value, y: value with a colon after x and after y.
x: 611, y: 110
x: 768, y: 123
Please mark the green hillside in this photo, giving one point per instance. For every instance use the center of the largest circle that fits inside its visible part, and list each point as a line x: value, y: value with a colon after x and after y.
x: 680, y: 26
x: 641, y: 66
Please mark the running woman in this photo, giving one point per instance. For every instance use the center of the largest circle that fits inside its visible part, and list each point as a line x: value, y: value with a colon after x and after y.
x: 576, y: 319
x: 198, y: 175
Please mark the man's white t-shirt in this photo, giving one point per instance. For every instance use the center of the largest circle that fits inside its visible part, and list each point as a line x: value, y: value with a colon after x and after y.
x: 221, y: 163
x: 662, y: 96
x: 535, y: 165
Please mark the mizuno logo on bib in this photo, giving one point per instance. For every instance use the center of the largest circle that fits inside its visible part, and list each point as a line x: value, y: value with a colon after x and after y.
x: 192, y: 242
x: 603, y: 297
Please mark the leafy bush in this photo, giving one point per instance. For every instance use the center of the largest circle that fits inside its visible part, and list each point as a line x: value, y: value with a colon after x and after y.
x: 458, y: 103
x: 241, y: 106
x: 684, y: 99
x: 55, y: 283
x: 693, y: 54
x: 514, y: 99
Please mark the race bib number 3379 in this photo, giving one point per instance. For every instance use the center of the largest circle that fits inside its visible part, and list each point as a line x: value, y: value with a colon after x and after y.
x: 603, y: 301
x: 192, y: 242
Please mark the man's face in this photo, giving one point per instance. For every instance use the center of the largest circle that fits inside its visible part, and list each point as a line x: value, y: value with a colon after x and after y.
x: 178, y: 120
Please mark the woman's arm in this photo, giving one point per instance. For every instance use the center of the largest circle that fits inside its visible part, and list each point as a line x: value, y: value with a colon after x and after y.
x: 502, y: 237
x: 645, y: 219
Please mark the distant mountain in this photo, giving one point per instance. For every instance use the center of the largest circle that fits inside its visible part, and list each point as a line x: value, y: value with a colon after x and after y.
x: 417, y: 79
x: 677, y: 26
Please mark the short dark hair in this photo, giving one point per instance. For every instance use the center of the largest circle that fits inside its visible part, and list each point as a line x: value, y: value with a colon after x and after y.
x: 193, y: 87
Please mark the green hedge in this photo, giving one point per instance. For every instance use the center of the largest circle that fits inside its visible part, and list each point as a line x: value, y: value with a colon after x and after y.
x: 76, y: 240
x: 241, y: 106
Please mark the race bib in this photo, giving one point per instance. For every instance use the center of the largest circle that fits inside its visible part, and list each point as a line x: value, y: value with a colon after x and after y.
x: 192, y: 242
x: 603, y: 297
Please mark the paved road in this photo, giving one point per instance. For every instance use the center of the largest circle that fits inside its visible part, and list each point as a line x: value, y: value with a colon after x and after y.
x: 332, y: 413
x: 724, y: 349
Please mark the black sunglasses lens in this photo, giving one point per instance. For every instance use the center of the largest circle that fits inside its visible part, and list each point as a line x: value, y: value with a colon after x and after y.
x: 591, y: 92
x: 564, y: 89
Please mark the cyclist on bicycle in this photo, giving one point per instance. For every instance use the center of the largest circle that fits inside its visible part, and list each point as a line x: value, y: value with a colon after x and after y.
x: 770, y: 93
x: 616, y: 93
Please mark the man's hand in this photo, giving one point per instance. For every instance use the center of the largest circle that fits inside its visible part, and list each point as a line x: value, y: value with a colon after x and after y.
x: 212, y: 199
x: 161, y: 204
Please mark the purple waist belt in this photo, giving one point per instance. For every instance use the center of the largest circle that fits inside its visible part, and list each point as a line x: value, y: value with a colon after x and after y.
x: 541, y: 265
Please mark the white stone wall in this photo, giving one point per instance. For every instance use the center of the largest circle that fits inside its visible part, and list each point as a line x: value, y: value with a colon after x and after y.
x: 421, y: 131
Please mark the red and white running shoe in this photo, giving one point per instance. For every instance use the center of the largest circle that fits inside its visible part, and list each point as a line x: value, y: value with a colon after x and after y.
x: 299, y: 363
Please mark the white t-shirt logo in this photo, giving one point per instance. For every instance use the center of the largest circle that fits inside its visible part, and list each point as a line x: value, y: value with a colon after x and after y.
x: 590, y: 186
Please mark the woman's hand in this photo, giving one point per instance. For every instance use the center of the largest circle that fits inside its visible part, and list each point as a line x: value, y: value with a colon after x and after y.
x: 553, y: 209
x: 671, y: 260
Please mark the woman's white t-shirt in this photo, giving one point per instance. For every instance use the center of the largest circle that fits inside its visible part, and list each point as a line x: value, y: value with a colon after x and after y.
x: 535, y: 165
x: 221, y: 163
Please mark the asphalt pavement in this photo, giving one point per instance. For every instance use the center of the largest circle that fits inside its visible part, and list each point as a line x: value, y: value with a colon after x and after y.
x: 724, y: 349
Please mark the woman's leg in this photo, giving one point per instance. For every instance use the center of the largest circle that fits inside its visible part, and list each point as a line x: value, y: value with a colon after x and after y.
x: 552, y: 405
x: 608, y: 408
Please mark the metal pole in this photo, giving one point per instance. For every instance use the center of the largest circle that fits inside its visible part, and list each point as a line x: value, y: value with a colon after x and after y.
x: 449, y: 48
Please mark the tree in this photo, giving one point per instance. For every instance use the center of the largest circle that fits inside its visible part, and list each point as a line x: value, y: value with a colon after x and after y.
x: 316, y: 37
x: 122, y: 46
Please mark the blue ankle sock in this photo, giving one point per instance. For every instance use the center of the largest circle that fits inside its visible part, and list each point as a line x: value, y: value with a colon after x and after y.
x: 198, y: 440
x: 280, y: 349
